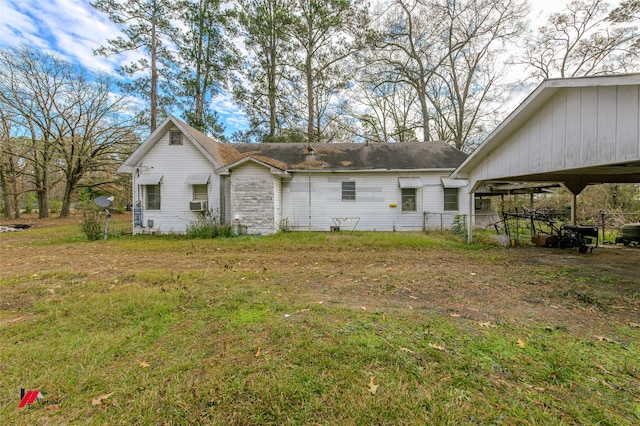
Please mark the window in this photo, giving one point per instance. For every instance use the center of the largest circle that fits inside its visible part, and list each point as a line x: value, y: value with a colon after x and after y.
x: 408, y: 199
x: 348, y: 191
x: 153, y: 197
x: 450, y: 199
x: 200, y: 192
x: 175, y: 137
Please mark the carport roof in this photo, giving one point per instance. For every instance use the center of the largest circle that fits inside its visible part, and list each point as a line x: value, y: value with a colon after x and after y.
x: 614, y: 169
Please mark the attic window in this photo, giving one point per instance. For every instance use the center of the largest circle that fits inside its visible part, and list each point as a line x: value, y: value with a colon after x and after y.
x: 175, y: 137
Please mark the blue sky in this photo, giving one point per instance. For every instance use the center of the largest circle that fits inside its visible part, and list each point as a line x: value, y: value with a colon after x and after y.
x: 72, y: 29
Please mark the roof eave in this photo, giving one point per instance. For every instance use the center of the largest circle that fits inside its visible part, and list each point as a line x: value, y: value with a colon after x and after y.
x: 226, y: 170
x: 378, y: 170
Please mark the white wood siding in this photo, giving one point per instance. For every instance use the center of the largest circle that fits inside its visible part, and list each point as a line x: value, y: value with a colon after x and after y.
x: 577, y: 127
x: 314, y: 201
x: 175, y: 163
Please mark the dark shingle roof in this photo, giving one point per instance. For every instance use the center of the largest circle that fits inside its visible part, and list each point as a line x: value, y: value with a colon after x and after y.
x: 359, y: 156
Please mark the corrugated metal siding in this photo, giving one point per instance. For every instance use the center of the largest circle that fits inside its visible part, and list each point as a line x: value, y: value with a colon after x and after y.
x: 175, y: 162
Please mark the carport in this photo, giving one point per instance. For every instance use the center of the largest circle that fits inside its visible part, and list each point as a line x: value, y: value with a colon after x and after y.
x: 572, y: 131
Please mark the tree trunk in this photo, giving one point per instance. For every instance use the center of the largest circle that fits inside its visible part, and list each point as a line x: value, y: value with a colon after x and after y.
x: 43, y: 201
x: 154, y: 77
x: 6, y: 201
x: 310, y: 100
x: 42, y: 185
x: 66, y: 201
x: 272, y: 89
x: 16, y: 201
x: 424, y: 110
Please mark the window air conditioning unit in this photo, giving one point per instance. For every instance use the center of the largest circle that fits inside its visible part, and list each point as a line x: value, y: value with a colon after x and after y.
x: 198, y: 206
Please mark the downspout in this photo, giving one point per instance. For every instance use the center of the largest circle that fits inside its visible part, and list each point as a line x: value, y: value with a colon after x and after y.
x: 309, y: 191
x: 310, y: 157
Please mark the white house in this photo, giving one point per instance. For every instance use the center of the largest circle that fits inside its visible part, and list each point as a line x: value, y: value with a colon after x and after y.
x: 178, y: 172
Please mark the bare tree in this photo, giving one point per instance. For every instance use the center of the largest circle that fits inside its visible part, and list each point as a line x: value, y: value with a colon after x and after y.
x: 446, y: 50
x: 476, y: 32
x: 91, y: 131
x: 73, y: 124
x: 10, y: 170
x: 30, y: 83
x: 386, y: 109
x: 410, y: 50
x: 586, y: 39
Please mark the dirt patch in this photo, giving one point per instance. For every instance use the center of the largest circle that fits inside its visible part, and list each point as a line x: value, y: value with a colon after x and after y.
x: 557, y: 288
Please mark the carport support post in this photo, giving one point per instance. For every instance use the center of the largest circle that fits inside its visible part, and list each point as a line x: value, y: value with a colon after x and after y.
x: 472, y: 199
x: 574, y: 202
x: 574, y: 188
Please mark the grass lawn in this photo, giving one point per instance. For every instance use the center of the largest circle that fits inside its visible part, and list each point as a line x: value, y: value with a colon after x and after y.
x: 315, y: 328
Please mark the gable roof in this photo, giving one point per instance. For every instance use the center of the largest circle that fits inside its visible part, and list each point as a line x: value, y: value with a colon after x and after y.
x: 275, y: 167
x: 358, y: 156
x: 530, y: 106
x: 282, y: 157
x: 213, y: 150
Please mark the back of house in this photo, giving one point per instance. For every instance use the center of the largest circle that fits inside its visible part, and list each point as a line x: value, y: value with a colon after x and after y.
x: 180, y: 174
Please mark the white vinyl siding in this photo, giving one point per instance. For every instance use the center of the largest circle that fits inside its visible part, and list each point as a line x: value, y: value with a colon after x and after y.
x: 176, y: 164
x: 378, y: 206
x: 577, y: 127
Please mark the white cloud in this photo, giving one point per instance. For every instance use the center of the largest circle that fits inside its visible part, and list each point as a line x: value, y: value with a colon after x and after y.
x: 71, y: 28
x: 233, y: 117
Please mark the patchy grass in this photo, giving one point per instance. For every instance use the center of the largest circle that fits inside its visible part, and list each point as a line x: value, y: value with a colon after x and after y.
x: 322, y: 328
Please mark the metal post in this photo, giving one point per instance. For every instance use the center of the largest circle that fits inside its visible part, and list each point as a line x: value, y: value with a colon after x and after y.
x: 309, y: 200
x: 472, y: 200
x: 106, y: 223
